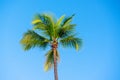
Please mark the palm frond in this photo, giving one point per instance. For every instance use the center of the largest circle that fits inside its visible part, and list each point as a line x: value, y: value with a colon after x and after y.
x: 46, y: 24
x: 71, y: 41
x: 60, y: 20
x: 36, y: 21
x: 66, y: 30
x: 50, y: 59
x: 40, y: 26
x: 58, y: 25
x: 32, y: 39
x: 67, y: 20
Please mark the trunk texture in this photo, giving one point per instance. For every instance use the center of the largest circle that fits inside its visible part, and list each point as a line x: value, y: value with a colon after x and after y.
x: 55, y: 65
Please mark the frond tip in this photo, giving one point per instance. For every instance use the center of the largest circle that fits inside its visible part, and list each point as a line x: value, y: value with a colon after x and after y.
x: 36, y: 21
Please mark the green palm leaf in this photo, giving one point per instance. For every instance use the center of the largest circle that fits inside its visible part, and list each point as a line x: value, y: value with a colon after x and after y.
x: 66, y: 30
x: 67, y: 20
x: 32, y: 39
x: 46, y: 23
x: 50, y: 59
x: 60, y: 20
x: 71, y: 41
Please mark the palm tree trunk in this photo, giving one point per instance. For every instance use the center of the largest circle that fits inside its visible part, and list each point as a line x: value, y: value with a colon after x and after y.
x: 55, y: 65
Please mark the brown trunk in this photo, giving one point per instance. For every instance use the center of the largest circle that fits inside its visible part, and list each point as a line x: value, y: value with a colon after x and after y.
x: 55, y: 65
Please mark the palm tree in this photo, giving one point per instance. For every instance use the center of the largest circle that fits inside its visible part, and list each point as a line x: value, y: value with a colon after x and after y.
x: 48, y: 31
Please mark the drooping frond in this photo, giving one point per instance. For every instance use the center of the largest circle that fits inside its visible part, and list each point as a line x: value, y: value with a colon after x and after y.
x: 71, y: 41
x: 50, y: 59
x: 32, y: 39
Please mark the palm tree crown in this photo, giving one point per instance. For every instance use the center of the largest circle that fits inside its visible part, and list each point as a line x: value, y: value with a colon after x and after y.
x: 49, y: 31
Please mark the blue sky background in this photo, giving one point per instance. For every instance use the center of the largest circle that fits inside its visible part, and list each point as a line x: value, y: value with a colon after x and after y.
x: 98, y: 24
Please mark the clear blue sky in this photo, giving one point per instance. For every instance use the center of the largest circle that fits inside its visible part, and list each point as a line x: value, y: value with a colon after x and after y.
x: 98, y: 24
